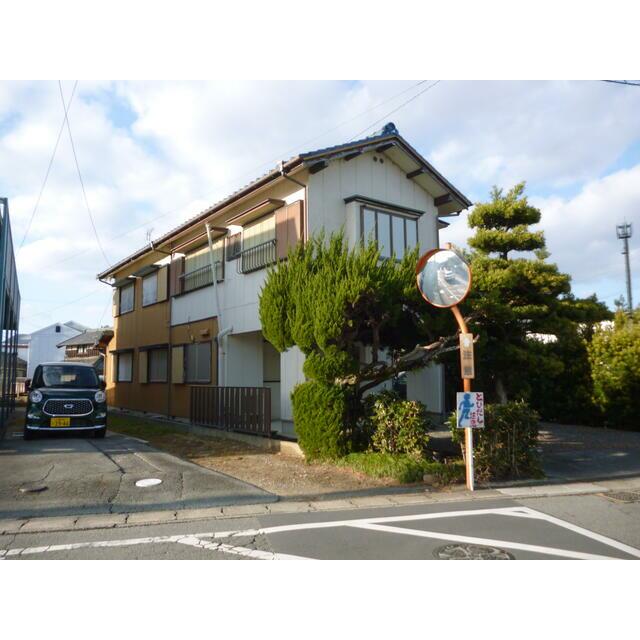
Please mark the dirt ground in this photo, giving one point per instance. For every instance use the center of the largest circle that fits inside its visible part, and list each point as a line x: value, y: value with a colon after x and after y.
x: 281, y: 474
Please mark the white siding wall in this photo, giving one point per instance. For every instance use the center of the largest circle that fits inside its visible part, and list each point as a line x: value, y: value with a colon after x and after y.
x: 291, y: 362
x: 42, y: 347
x: 244, y: 360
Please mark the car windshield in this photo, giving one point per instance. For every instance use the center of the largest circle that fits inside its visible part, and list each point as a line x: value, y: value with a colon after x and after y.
x: 72, y: 377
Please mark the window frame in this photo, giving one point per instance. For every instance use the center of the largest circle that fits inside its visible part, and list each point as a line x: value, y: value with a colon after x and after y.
x: 392, y: 214
x: 166, y: 375
x: 133, y: 298
x: 186, y: 347
x: 118, y: 355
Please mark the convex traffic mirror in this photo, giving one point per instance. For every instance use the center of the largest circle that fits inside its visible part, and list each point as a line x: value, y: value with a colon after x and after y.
x: 444, y: 278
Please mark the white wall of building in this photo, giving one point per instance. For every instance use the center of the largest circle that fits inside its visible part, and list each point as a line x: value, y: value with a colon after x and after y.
x: 42, y: 347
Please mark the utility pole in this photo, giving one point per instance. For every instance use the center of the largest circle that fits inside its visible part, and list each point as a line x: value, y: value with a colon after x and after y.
x: 624, y: 233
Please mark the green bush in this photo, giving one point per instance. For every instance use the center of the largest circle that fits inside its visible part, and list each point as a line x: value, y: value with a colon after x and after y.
x: 395, y: 425
x: 506, y: 448
x: 614, y: 354
x: 319, y: 413
x: 402, y: 467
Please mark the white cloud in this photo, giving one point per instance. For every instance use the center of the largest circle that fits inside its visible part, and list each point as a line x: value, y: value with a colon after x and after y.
x: 167, y: 150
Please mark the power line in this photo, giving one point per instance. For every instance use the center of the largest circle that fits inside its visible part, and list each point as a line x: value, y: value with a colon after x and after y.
x: 630, y: 83
x: 84, y: 193
x: 252, y: 171
x: 65, y: 304
x: 404, y: 104
x: 46, y: 175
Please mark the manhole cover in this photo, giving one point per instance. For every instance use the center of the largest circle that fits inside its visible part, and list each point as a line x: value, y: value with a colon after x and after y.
x: 471, y: 552
x: 148, y: 482
x: 623, y: 496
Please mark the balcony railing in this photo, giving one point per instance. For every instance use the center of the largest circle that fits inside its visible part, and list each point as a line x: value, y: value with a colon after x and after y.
x: 258, y: 257
x: 201, y: 277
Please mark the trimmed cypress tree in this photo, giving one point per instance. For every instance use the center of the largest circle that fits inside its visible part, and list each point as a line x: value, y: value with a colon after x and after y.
x: 333, y: 302
x: 516, y: 297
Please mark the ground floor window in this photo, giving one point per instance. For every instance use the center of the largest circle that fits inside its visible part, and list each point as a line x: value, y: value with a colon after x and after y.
x: 158, y: 365
x: 197, y: 359
x: 124, y: 366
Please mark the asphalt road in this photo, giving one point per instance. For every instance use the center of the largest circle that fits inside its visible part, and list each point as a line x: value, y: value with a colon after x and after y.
x: 64, y: 475
x: 568, y: 527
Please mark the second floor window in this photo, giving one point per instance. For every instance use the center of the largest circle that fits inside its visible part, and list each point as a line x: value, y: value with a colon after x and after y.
x: 259, y: 232
x: 197, y: 266
x: 394, y: 233
x: 150, y: 289
x: 126, y: 298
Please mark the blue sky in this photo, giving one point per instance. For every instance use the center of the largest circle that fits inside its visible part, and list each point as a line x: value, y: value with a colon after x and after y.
x: 154, y: 153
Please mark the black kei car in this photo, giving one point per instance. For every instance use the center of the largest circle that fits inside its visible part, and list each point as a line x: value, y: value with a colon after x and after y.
x: 65, y: 397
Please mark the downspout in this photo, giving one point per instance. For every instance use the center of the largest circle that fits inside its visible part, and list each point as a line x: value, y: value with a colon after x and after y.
x: 222, y: 330
x: 306, y: 199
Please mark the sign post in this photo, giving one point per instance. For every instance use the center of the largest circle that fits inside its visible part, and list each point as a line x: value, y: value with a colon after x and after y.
x: 444, y: 280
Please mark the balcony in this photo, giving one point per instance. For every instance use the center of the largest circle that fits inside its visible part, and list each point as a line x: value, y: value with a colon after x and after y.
x: 257, y: 257
x: 201, y: 277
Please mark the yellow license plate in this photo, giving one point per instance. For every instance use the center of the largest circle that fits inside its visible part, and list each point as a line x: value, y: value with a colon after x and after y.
x: 60, y: 422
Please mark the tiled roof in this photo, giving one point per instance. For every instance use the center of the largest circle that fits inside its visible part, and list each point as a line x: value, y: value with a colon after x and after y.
x: 388, y: 132
x: 91, y: 337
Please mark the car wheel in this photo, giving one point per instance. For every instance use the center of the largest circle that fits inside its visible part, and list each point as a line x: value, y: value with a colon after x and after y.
x: 100, y: 433
x: 28, y: 435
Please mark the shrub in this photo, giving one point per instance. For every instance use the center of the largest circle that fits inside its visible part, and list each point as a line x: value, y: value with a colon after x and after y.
x: 396, y: 425
x: 615, y: 367
x: 319, y: 413
x: 506, y: 448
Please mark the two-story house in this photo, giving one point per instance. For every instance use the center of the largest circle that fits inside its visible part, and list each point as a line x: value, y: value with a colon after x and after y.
x: 176, y: 328
x: 89, y: 347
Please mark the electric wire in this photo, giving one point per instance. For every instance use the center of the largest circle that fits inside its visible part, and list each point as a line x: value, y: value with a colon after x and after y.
x: 46, y: 175
x: 404, y: 104
x: 84, y: 193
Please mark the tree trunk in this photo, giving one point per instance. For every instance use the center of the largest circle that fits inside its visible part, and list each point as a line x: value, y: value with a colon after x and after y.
x: 501, y: 392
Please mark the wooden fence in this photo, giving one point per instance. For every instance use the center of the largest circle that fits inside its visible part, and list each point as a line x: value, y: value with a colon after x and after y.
x: 244, y: 409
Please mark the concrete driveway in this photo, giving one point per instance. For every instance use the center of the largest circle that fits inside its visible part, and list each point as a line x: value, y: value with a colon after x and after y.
x: 62, y: 475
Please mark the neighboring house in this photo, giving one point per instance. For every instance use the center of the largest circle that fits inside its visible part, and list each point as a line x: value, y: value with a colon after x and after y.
x: 43, y: 343
x: 175, y: 331
x: 89, y: 347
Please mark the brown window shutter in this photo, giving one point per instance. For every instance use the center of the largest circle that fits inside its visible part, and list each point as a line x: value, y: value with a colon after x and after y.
x: 289, y: 227
x: 282, y: 241
x: 177, y: 365
x: 142, y: 367
x: 114, y: 367
x: 116, y: 302
x: 163, y: 274
x: 175, y: 281
x: 295, y: 223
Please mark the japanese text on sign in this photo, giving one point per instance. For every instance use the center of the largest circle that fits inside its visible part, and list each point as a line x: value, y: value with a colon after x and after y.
x: 470, y: 409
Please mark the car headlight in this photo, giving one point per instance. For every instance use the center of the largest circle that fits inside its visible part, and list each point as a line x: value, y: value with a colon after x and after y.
x: 100, y: 397
x: 35, y: 396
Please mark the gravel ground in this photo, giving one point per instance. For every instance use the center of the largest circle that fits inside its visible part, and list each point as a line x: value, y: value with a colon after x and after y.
x: 280, y: 474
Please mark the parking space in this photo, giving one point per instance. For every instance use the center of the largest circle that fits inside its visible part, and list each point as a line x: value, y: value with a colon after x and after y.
x: 66, y: 475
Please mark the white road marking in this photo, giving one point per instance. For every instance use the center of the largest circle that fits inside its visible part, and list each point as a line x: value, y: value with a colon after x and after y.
x: 375, y: 524
x: 256, y: 554
x: 534, y: 548
x: 584, y: 532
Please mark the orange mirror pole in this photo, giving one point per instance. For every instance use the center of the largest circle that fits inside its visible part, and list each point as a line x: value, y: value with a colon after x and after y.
x: 466, y: 386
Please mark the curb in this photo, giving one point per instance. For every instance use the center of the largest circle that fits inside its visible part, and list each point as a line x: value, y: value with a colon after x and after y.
x: 144, y: 518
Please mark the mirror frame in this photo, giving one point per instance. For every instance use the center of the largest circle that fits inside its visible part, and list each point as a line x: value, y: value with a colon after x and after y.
x: 420, y: 266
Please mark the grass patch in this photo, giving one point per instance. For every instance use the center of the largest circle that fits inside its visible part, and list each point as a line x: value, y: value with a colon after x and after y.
x: 139, y: 427
x: 402, y: 467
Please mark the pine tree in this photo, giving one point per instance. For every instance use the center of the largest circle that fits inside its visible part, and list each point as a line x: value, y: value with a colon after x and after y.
x: 334, y: 302
x: 517, y: 300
